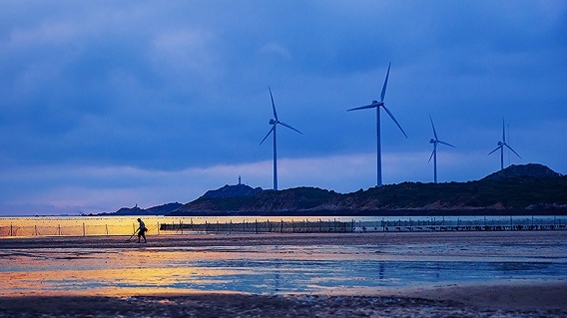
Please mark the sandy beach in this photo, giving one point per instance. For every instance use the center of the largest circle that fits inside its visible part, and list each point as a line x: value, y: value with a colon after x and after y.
x: 509, y: 297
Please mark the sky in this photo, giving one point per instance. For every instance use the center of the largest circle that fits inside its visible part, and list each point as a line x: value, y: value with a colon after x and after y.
x: 109, y: 104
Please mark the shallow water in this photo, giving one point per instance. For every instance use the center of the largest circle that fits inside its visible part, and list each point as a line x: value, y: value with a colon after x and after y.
x: 276, y: 269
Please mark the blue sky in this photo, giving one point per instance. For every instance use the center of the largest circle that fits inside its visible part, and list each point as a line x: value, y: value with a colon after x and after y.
x: 107, y: 104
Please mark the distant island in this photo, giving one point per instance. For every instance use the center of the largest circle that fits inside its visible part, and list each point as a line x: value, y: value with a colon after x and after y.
x: 531, y: 189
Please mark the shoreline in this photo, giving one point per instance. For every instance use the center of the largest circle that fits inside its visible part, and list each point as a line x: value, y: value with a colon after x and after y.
x: 271, y: 238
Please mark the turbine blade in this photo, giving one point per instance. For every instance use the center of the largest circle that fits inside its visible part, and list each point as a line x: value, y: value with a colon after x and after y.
x: 513, y: 151
x: 494, y: 150
x: 273, y: 104
x: 431, y: 154
x: 363, y: 107
x: 433, y: 126
x: 394, y: 119
x: 385, y: 83
x: 288, y: 126
x: 503, y: 133
x: 445, y: 143
x: 269, y: 132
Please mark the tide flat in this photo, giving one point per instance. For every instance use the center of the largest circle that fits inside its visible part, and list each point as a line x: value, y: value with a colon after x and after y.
x: 271, y: 264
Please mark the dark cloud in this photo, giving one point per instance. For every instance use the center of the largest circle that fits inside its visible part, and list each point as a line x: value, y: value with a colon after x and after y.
x: 182, y: 85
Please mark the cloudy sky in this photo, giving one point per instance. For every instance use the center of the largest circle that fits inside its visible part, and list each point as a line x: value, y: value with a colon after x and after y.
x: 105, y: 104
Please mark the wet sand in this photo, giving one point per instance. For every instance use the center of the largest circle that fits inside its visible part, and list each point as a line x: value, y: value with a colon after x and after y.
x: 242, y: 305
x: 514, y: 298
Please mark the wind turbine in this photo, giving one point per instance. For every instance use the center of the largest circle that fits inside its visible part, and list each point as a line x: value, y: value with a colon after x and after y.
x: 434, y: 153
x: 378, y: 105
x: 275, y: 122
x: 501, y: 144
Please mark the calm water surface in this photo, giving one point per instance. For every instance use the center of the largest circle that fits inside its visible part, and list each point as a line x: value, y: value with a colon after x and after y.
x: 277, y: 269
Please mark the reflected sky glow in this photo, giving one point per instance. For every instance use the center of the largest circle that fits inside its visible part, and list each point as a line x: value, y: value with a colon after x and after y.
x: 272, y: 269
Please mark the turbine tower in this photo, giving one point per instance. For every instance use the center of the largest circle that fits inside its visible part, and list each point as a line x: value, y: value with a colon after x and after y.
x: 275, y: 122
x: 501, y: 144
x: 378, y: 105
x: 435, y: 142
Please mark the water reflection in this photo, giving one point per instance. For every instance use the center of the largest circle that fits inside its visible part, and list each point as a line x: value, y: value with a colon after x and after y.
x: 259, y: 270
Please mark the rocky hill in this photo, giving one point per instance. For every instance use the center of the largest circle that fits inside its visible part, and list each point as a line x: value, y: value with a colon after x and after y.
x: 518, y: 189
x: 287, y: 201
x: 239, y: 190
x: 529, y: 170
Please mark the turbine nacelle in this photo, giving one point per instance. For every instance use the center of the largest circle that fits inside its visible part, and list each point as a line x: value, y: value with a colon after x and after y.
x: 272, y: 122
x: 377, y: 103
x: 432, y: 141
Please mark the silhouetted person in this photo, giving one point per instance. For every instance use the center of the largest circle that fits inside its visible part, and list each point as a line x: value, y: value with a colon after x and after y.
x: 142, y: 231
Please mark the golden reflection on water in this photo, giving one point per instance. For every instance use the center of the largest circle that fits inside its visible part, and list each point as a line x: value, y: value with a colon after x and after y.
x: 115, y: 271
x: 142, y: 271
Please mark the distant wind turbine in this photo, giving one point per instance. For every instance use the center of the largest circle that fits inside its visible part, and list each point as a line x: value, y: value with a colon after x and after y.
x: 434, y: 153
x: 274, y: 122
x: 501, y: 145
x: 378, y: 105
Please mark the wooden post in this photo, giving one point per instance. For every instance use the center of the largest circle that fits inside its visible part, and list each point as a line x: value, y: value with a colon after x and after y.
x: 106, y: 229
x: 256, y: 224
x: 84, y: 230
x: 59, y: 226
x: 35, y: 229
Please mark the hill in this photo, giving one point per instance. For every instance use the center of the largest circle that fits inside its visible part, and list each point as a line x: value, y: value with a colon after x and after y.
x: 286, y: 202
x: 530, y: 189
x: 519, y: 189
x: 529, y: 170
x: 239, y: 190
